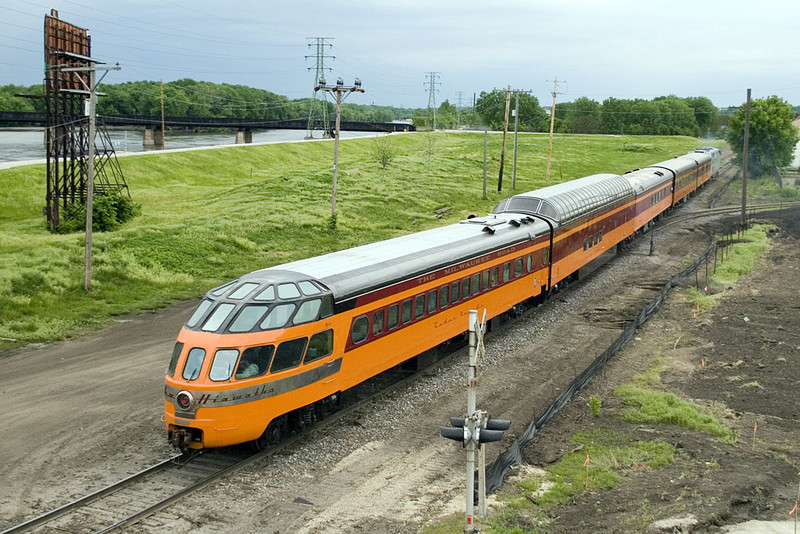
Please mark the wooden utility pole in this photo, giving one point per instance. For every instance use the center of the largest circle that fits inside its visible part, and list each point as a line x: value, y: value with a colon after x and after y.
x: 744, y: 159
x: 552, y: 124
x: 485, y: 135
x: 340, y: 91
x: 516, y: 127
x: 505, y: 133
x: 92, y: 88
x: 163, y: 132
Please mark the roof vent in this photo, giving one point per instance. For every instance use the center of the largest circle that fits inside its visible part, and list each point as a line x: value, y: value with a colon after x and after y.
x: 488, y: 229
x: 514, y: 222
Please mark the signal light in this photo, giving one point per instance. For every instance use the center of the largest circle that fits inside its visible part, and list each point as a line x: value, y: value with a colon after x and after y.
x: 466, y: 430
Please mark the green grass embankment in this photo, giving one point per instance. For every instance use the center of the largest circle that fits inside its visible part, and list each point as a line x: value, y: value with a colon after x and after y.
x: 211, y: 215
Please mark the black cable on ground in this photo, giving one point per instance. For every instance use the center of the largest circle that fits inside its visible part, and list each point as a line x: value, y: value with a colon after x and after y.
x: 495, y: 472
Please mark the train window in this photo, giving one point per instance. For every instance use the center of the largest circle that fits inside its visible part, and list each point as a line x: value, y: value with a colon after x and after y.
x: 267, y: 294
x: 242, y: 291
x: 218, y: 317
x: 495, y: 276
x: 406, y: 311
x: 222, y: 364
x: 319, y: 346
x: 455, y: 292
x: 308, y: 288
x: 289, y: 354
x: 476, y: 284
x: 444, y: 296
x: 393, y: 318
x: 308, y: 311
x: 465, y: 288
x: 277, y: 316
x: 288, y: 291
x: 248, y: 318
x: 194, y: 361
x: 485, y: 281
x: 222, y: 289
x: 254, y: 361
x: 530, y: 263
x: 360, y: 329
x: 419, y: 306
x: 199, y: 312
x: 432, y: 301
x: 545, y: 256
x: 173, y: 361
x: 506, y: 272
x: 518, y: 267
x: 327, y: 307
x: 377, y: 322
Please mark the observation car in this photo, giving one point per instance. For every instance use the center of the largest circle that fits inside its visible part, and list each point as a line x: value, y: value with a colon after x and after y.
x: 271, y: 351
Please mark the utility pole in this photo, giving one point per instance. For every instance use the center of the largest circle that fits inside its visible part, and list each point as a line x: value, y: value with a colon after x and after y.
x: 340, y: 91
x: 744, y: 159
x: 92, y: 88
x: 432, y: 82
x: 459, y: 106
x: 163, y: 131
x: 318, y: 120
x: 516, y: 127
x: 505, y: 133
x: 485, y: 135
x: 552, y: 123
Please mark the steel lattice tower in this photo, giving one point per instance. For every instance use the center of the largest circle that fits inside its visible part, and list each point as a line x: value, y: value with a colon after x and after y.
x: 432, y: 83
x: 318, y: 109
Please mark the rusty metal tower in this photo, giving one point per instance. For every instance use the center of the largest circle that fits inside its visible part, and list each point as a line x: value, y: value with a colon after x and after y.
x: 68, y: 76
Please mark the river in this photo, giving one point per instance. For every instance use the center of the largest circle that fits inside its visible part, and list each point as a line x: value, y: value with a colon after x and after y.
x: 27, y: 144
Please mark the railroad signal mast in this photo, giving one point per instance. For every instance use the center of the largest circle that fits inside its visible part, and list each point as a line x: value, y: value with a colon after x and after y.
x: 476, y: 428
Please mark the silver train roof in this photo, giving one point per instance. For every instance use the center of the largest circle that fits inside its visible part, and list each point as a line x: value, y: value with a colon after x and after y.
x: 566, y: 201
x: 355, y: 271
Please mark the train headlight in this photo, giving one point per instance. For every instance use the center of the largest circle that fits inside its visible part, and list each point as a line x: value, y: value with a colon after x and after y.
x: 184, y: 400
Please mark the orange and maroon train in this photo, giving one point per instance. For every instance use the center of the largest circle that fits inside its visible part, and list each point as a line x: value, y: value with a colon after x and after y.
x: 272, y: 350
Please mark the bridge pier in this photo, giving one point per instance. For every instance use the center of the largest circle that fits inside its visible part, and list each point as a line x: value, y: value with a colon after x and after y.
x: 152, y: 137
x: 244, y: 136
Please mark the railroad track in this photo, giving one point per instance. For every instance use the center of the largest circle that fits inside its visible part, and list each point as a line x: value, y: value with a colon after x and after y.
x: 144, y: 493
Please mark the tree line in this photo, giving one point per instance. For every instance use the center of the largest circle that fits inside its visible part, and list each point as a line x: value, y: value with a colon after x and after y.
x: 190, y: 98
x: 664, y: 115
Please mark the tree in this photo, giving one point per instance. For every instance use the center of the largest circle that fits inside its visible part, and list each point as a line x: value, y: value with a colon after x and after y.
x: 383, y: 152
x: 491, y: 107
x: 772, y: 135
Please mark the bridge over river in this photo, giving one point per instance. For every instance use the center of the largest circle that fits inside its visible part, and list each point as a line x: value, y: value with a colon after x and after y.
x: 244, y: 127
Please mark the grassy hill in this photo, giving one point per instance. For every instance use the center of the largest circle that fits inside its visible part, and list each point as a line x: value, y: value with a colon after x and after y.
x: 211, y: 215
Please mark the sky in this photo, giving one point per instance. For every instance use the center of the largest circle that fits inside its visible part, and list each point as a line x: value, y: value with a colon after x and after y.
x: 597, y: 49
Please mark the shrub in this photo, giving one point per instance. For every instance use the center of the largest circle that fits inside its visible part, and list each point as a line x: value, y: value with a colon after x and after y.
x: 109, y: 212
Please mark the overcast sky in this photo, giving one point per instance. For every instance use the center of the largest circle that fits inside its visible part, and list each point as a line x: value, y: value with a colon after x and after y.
x: 600, y: 48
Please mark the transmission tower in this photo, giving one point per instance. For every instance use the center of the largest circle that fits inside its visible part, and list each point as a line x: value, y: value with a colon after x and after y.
x: 460, y: 98
x: 318, y: 109
x: 432, y: 82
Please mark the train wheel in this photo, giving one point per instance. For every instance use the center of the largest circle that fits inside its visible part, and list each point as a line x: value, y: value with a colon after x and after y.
x: 260, y: 443
x: 273, y: 432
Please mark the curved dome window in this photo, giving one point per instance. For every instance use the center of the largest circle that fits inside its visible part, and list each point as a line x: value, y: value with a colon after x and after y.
x: 278, y: 316
x: 288, y: 291
x: 309, y: 311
